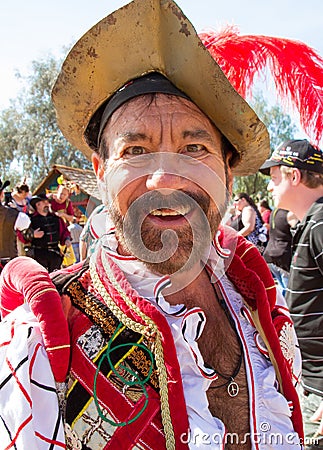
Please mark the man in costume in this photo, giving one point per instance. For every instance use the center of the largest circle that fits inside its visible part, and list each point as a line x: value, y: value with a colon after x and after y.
x: 11, y: 221
x: 296, y: 171
x: 171, y: 335
x: 45, y: 248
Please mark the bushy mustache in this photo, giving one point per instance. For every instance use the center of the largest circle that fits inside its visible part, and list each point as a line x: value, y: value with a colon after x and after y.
x: 174, y: 201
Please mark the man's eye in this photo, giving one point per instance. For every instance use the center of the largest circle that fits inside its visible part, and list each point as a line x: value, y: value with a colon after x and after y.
x: 135, y: 151
x: 195, y: 150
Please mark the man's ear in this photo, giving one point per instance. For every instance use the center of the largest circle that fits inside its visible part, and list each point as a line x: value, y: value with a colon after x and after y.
x: 98, y: 165
x: 296, y: 177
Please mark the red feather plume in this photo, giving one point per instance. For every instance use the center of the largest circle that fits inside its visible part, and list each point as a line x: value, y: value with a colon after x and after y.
x: 297, y: 70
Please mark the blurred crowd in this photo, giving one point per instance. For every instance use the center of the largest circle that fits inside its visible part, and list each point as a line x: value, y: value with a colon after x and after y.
x: 269, y: 228
x: 45, y: 227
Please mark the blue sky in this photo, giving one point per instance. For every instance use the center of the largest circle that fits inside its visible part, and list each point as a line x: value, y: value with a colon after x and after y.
x: 31, y: 29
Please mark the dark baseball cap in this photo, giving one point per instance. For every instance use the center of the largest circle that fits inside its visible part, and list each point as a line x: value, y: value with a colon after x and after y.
x: 297, y: 153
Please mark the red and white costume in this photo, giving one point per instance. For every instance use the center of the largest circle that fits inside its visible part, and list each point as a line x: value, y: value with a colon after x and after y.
x: 119, y: 301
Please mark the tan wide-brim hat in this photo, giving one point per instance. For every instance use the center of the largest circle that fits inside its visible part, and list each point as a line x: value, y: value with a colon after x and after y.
x: 153, y: 36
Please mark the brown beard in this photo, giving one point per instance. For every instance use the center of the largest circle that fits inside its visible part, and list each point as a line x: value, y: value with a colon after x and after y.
x: 167, y: 251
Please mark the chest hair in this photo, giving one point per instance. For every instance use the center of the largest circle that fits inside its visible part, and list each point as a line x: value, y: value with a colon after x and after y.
x: 220, y: 348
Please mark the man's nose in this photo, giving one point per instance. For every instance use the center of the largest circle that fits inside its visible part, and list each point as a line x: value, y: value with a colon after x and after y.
x: 164, y: 179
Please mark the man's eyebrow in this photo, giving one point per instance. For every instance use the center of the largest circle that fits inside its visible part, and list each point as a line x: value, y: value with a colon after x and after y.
x: 133, y: 137
x: 198, y: 134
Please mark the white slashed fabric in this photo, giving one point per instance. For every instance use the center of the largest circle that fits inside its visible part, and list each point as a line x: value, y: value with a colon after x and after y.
x: 29, y: 412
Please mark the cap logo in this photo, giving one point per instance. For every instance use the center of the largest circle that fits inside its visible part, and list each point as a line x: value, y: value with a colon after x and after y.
x: 288, y: 152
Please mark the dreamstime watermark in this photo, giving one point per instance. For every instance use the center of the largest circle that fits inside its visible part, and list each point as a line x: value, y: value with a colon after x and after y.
x: 263, y: 437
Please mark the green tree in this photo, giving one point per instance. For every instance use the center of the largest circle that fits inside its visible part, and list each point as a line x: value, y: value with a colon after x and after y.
x: 280, y: 128
x: 29, y: 133
x: 8, y: 142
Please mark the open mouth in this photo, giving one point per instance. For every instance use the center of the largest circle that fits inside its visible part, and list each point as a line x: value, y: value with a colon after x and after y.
x: 170, y: 215
x: 164, y: 212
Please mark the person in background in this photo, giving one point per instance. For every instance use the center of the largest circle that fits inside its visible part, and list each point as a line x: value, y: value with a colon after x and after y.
x: 45, y: 249
x: 75, y: 230
x: 265, y: 211
x: 296, y: 183
x: 230, y: 215
x: 249, y: 222
x: 20, y: 198
x: 61, y: 204
x: 172, y: 330
x: 89, y: 237
x: 278, y: 252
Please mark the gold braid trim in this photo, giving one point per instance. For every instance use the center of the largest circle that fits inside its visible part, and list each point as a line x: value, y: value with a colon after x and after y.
x: 247, y: 250
x: 270, y: 287
x: 38, y: 294
x: 58, y: 347
x: 150, y: 330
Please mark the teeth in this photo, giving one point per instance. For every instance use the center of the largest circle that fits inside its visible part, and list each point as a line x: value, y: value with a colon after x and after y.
x: 170, y: 212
